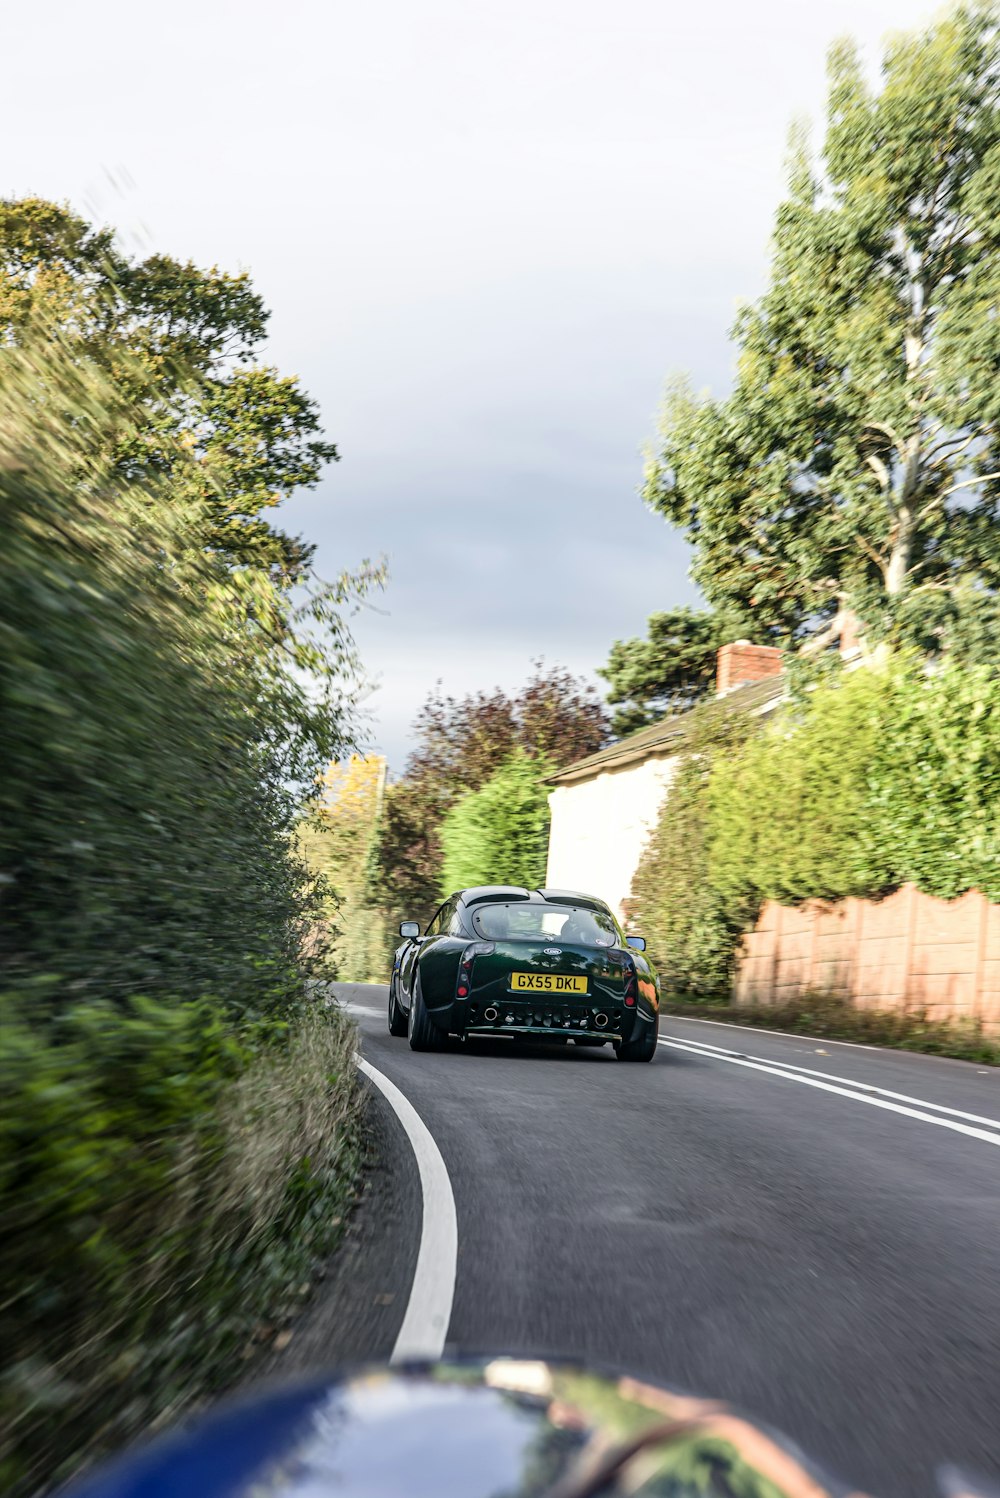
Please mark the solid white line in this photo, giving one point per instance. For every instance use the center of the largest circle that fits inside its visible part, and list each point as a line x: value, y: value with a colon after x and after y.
x: 857, y: 1097
x: 428, y: 1311
x: 900, y: 1097
x: 728, y: 1024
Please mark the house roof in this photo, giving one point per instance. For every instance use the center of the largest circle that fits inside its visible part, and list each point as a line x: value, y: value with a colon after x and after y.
x: 667, y: 737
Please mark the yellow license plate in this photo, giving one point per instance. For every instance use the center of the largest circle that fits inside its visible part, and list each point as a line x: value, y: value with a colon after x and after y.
x: 547, y: 983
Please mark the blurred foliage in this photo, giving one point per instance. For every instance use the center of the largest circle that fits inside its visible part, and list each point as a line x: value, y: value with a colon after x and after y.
x: 499, y: 833
x: 460, y: 744
x: 691, y: 931
x: 167, y: 1190
x: 180, y: 1122
x: 855, y: 468
x: 176, y: 341
x: 339, y: 841
x: 873, y: 779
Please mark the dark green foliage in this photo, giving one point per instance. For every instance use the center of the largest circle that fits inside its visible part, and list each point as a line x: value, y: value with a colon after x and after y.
x: 179, y: 1123
x: 691, y: 929
x: 143, y: 837
x: 670, y: 670
x: 499, y: 833
x: 166, y: 1188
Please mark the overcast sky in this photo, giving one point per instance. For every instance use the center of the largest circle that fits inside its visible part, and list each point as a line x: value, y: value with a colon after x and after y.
x: 487, y: 233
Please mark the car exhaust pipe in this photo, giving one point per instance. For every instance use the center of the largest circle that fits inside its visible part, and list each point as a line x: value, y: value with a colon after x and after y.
x: 490, y: 1014
x: 601, y: 1021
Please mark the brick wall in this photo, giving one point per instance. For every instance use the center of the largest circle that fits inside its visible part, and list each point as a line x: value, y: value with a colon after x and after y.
x: 908, y: 951
x: 741, y: 662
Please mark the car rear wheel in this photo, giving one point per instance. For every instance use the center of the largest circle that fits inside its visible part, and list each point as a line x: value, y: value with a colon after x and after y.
x: 397, y: 1019
x: 423, y: 1032
x: 641, y: 1049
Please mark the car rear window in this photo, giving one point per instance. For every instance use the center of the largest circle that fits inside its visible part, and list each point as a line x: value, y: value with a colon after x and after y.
x: 569, y: 923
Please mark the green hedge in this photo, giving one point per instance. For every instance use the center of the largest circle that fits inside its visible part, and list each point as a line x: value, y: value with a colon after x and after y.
x: 499, y: 833
x: 179, y: 1126
x: 880, y: 777
x: 166, y: 1190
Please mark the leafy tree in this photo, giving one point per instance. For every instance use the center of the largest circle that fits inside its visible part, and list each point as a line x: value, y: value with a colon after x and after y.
x: 460, y: 744
x: 670, y: 670
x: 180, y: 341
x: 338, y: 841
x: 855, y: 468
x: 499, y: 833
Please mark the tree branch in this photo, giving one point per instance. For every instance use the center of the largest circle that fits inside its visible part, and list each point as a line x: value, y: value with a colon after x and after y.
x: 826, y: 637
x: 871, y: 553
x: 880, y: 471
x: 984, y: 478
x: 962, y: 444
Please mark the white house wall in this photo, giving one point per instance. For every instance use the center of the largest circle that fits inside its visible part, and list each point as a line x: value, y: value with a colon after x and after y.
x: 600, y: 827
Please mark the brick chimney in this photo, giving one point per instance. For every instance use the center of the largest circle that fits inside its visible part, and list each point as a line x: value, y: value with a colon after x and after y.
x: 741, y: 662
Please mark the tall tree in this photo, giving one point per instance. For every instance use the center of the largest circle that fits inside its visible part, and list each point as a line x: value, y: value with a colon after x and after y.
x: 338, y: 841
x: 670, y: 670
x: 183, y: 343
x: 855, y: 469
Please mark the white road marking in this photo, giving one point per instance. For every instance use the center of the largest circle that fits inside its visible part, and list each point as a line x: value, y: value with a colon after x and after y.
x: 858, y: 1097
x: 428, y: 1311
x: 900, y: 1097
x: 727, y: 1024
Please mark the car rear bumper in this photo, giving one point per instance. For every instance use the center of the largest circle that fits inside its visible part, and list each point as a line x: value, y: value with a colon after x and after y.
x: 514, y: 1016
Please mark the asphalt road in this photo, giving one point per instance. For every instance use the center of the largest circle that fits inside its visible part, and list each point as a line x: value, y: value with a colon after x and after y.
x: 752, y: 1227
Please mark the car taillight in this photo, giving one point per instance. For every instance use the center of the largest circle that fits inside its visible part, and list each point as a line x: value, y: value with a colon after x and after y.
x: 631, y: 985
x: 476, y: 949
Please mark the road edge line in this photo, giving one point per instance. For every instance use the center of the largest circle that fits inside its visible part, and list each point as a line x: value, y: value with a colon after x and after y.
x: 809, y: 1071
x: 432, y: 1292
x: 858, y: 1097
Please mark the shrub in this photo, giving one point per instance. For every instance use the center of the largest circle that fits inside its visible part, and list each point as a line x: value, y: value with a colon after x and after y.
x: 499, y: 834
x: 790, y: 813
x: 691, y: 928
x: 164, y: 1188
x: 178, y: 1123
x: 866, y: 782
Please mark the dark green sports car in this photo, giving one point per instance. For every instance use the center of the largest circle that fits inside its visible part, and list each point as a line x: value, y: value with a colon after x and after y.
x: 529, y: 963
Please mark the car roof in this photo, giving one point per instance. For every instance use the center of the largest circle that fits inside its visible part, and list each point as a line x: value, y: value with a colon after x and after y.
x: 483, y: 894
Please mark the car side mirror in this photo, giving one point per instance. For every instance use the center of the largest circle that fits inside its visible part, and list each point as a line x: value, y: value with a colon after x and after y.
x: 639, y: 942
x: 409, y: 929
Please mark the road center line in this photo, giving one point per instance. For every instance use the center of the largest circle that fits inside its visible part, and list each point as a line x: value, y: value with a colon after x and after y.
x: 858, y: 1097
x: 808, y: 1071
x: 428, y: 1311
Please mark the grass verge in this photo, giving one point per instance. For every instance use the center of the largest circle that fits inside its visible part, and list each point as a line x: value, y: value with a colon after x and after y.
x: 148, y: 1277
x: 828, y: 1016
